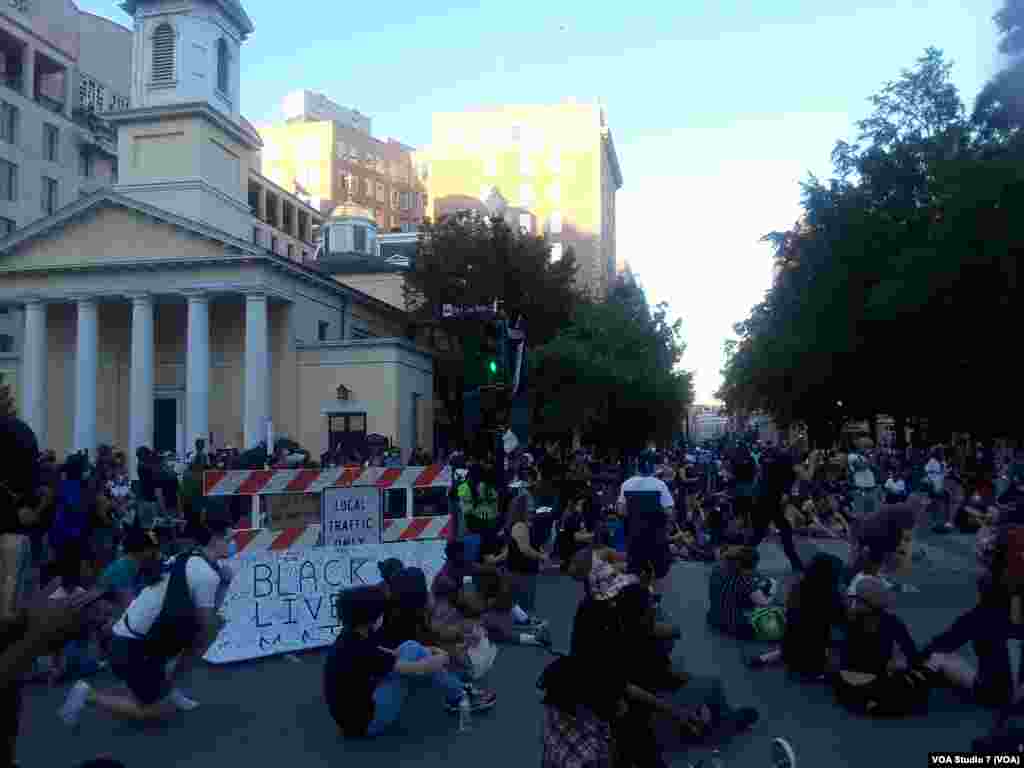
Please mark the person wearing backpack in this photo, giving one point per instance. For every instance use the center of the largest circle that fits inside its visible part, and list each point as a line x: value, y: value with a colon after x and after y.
x: 175, y: 615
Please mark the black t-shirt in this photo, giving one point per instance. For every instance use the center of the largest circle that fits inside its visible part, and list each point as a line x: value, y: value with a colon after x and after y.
x: 398, y: 627
x: 355, y: 667
x: 147, y: 483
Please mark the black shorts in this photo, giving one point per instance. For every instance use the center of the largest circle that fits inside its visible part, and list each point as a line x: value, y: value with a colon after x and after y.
x: 145, y: 675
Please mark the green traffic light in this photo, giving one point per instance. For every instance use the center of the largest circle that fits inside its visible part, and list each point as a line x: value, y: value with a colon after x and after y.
x: 493, y: 366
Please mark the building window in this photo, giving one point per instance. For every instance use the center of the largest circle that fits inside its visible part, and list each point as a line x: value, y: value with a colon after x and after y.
x: 8, y: 181
x: 118, y: 103
x: 49, y: 195
x: 359, y: 239
x: 85, y: 164
x: 223, y: 66
x: 526, y: 222
x: 381, y: 194
x: 517, y: 133
x: 394, y: 198
x: 6, y: 227
x: 6, y: 344
x: 556, y: 252
x: 394, y: 221
x: 525, y: 195
x: 555, y: 223
x: 51, y: 141
x: 91, y: 94
x: 273, y: 243
x: 256, y: 235
x: 368, y: 186
x: 322, y: 328
x: 163, y: 53
x: 8, y: 122
x: 291, y: 251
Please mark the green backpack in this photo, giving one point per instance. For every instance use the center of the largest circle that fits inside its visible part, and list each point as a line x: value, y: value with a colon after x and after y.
x: 769, y: 623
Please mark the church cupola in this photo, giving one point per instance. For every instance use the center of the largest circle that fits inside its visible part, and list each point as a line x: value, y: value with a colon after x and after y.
x: 187, y: 52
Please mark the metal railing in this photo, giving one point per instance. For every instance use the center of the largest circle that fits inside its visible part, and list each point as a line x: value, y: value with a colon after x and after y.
x: 50, y: 103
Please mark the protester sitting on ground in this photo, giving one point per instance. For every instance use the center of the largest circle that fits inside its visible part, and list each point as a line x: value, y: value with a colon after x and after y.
x: 523, y: 562
x: 572, y: 534
x: 174, y: 616
x: 829, y: 517
x: 891, y: 533
x: 869, y: 682
x: 974, y: 514
x: 814, y: 609
x: 895, y: 487
x: 988, y: 627
x: 734, y: 591
x: 498, y: 614
x: 620, y: 614
x: 365, y: 684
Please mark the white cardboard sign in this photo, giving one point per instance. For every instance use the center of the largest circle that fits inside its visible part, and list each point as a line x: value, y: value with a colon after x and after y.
x: 351, y: 516
x: 281, y: 602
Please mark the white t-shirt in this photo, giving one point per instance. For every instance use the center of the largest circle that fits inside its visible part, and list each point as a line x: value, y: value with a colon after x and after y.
x: 895, y: 485
x: 645, y: 483
x: 863, y: 476
x: 202, y: 581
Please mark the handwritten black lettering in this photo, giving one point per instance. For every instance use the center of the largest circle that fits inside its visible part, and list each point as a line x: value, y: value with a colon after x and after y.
x: 265, y: 643
x: 307, y: 573
x: 258, y: 622
x: 280, y: 591
x: 327, y: 569
x: 291, y: 614
x: 309, y: 607
x: 257, y: 579
x: 353, y: 569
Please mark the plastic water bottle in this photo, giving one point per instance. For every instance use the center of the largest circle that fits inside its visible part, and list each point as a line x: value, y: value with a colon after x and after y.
x: 465, y: 714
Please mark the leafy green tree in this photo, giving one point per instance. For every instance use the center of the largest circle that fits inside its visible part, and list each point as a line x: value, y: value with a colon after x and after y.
x: 893, y: 291
x: 611, y: 375
x: 470, y: 260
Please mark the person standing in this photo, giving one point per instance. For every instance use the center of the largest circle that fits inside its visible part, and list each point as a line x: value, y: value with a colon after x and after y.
x: 777, y: 480
x: 647, y: 504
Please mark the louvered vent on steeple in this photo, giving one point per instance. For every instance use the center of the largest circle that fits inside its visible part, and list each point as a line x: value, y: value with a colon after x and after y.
x: 163, y: 54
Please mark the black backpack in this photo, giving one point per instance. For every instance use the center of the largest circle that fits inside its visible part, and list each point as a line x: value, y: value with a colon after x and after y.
x: 743, y: 466
x: 177, y: 626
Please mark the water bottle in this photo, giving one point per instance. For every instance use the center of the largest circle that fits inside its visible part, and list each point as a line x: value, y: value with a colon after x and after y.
x: 465, y: 714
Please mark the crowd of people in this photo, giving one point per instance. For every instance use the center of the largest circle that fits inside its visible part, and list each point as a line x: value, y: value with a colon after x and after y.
x: 112, y: 596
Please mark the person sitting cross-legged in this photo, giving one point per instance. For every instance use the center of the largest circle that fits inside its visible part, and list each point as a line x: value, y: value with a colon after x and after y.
x: 365, y: 684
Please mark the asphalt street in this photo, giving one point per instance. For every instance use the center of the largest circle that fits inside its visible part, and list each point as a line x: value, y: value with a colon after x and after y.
x: 271, y: 712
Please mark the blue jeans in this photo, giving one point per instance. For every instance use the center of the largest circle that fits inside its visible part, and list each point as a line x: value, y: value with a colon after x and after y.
x: 391, y: 693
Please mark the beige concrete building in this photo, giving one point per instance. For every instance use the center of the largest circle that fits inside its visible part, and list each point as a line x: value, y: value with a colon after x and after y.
x: 327, y: 153
x: 148, y: 314
x: 556, y: 163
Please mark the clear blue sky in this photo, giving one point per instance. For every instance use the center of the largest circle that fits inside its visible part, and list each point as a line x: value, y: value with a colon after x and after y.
x: 717, y: 109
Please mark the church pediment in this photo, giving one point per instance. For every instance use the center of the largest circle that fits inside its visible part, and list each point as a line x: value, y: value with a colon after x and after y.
x: 107, y: 227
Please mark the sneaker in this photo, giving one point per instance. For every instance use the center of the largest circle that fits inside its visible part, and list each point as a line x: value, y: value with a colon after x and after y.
x: 77, y: 698
x: 783, y: 755
x: 480, y: 699
x: 182, y: 702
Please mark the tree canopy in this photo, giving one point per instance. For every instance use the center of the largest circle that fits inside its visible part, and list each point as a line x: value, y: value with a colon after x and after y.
x: 612, y: 372
x: 896, y: 288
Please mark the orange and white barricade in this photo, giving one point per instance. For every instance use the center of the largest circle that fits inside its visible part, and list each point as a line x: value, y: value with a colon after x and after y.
x: 289, y: 568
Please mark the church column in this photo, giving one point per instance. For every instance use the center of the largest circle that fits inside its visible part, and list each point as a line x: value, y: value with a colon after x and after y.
x: 29, y: 73
x: 197, y: 366
x: 86, y: 371
x: 140, y: 413
x: 257, y: 368
x: 34, y: 360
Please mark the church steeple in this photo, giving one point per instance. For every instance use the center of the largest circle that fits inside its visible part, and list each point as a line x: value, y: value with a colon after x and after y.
x: 187, y: 52
x: 183, y: 145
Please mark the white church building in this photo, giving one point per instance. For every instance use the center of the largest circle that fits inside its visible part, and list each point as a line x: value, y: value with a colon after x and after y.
x: 151, y: 317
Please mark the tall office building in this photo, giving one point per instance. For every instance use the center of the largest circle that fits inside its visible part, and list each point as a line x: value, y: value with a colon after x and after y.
x: 327, y: 153
x: 556, y: 163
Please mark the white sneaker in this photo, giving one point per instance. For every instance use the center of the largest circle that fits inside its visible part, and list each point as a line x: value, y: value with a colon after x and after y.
x: 182, y: 702
x: 77, y: 698
x: 783, y: 755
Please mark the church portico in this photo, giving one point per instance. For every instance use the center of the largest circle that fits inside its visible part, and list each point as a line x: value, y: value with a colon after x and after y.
x: 181, y: 375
